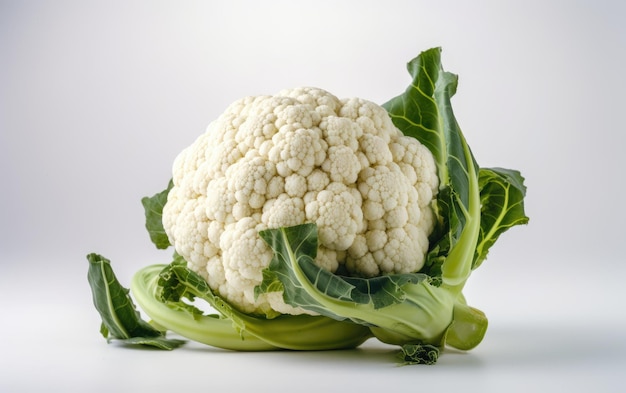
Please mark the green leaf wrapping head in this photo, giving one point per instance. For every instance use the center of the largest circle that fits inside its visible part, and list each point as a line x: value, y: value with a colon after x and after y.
x: 387, y: 304
x: 419, y: 311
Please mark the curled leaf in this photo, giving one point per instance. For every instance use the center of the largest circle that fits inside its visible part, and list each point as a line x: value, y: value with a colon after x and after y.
x: 120, y: 319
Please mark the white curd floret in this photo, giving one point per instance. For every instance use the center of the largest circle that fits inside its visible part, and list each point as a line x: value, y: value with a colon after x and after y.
x: 302, y: 155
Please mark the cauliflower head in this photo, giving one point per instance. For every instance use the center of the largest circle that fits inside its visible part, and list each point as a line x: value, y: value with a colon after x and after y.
x: 302, y: 155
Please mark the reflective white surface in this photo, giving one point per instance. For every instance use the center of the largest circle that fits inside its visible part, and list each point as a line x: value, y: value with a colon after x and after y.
x: 543, y: 337
x: 97, y: 98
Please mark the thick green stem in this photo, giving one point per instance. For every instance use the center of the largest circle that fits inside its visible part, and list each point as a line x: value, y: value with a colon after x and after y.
x: 457, y: 267
x: 248, y: 333
x: 468, y: 327
x: 208, y: 330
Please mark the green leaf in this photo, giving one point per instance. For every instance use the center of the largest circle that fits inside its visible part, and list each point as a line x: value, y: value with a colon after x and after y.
x: 424, y: 111
x: 419, y: 354
x: 298, y: 245
x: 401, y: 307
x: 153, y: 208
x: 120, y: 319
x: 502, y: 193
x: 157, y: 342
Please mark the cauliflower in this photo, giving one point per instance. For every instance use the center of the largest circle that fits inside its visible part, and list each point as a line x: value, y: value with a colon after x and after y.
x: 299, y: 156
x: 304, y: 221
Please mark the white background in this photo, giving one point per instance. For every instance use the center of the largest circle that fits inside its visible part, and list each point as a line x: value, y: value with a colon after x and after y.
x: 97, y: 98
